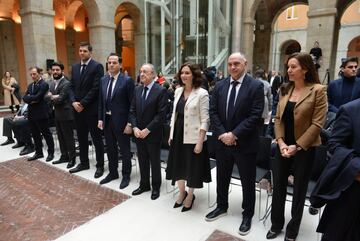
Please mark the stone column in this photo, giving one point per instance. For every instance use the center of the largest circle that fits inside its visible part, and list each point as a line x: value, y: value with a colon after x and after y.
x: 37, y: 23
x: 321, y: 27
x: 236, y: 26
x: 248, y: 41
x: 102, y: 39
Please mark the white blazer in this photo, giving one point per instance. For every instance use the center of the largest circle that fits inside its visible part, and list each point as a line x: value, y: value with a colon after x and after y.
x: 196, y: 114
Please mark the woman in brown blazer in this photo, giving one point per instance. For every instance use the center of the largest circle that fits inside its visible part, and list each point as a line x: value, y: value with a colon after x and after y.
x: 301, y: 113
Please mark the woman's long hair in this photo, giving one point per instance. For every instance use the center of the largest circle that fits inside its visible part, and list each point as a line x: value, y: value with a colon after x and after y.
x: 305, y: 61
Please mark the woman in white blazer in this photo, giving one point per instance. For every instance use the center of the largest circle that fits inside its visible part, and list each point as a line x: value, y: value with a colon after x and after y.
x: 188, y: 162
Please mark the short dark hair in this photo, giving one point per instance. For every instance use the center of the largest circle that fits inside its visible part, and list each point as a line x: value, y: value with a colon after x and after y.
x: 115, y: 54
x: 196, y: 72
x: 38, y: 69
x: 260, y: 73
x: 86, y: 44
x: 61, y: 66
x: 344, y: 61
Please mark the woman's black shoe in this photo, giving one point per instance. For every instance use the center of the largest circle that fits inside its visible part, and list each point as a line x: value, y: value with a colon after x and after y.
x: 184, y: 209
x: 177, y: 205
x: 271, y: 234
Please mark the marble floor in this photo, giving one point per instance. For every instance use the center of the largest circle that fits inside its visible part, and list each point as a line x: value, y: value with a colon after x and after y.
x: 140, y: 218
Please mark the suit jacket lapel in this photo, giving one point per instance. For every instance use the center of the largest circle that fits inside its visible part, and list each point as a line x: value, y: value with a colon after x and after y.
x: 82, y: 77
x: 283, y: 101
x: 355, y: 90
x: 224, y: 94
x: 306, y: 92
x: 117, y: 85
x: 150, y: 94
x: 193, y: 94
x: 243, y: 89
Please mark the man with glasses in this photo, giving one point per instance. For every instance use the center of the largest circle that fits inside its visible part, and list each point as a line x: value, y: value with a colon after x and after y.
x: 347, y: 87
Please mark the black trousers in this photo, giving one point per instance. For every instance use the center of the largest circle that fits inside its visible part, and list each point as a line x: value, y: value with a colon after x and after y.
x: 84, y: 125
x: 38, y: 128
x: 21, y: 131
x: 301, y: 167
x: 7, y: 127
x: 64, y: 130
x: 149, y: 156
x: 246, y: 164
x: 341, y: 218
x: 115, y: 139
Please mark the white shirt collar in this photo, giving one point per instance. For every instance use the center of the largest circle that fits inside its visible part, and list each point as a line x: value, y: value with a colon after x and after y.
x: 240, y: 80
x: 86, y: 63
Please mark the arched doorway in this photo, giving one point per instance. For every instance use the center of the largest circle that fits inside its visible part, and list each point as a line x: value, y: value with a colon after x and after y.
x: 70, y: 22
x: 354, y: 47
x: 127, y: 21
x: 124, y: 39
x: 288, y: 48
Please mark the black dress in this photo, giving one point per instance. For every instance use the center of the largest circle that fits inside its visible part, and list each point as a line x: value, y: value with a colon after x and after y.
x: 183, y: 163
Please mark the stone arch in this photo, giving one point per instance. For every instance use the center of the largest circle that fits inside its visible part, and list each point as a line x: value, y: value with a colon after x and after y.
x: 71, y: 12
x: 129, y: 48
x: 287, y: 48
x: 354, y: 47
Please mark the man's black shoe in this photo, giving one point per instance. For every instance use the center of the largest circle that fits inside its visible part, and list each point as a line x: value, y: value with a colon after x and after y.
x: 155, y: 194
x: 7, y: 142
x: 272, y: 234
x: 60, y: 161
x: 17, y: 145
x: 245, y: 226
x: 26, y: 150
x: 50, y: 157
x: 79, y: 168
x: 124, y: 182
x: 109, y: 178
x: 71, y: 163
x: 140, y: 190
x: 36, y: 156
x: 99, y: 172
x: 215, y: 214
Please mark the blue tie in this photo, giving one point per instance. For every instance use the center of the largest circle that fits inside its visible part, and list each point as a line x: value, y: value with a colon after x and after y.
x: 231, y: 103
x: 108, y: 96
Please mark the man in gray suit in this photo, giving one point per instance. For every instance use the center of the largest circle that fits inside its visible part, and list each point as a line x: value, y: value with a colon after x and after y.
x: 64, y: 116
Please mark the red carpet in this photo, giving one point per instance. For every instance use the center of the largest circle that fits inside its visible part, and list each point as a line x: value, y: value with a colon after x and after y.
x: 41, y: 202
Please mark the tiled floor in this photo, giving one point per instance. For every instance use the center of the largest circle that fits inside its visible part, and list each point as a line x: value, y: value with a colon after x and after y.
x: 41, y: 202
x: 141, y: 219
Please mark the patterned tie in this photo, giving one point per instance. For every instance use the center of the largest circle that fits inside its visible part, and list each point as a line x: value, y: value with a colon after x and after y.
x: 231, y: 103
x: 108, y: 96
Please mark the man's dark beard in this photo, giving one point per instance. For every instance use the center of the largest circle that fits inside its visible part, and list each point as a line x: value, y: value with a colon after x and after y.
x: 57, y: 77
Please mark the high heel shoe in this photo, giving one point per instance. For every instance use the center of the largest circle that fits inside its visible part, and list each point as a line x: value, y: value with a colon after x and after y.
x: 184, y: 209
x: 177, y: 205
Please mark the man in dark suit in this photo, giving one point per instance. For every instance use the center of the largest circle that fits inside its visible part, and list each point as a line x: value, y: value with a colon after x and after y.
x: 147, y: 116
x: 346, y: 88
x: 236, y: 128
x: 64, y: 115
x: 115, y: 95
x: 38, y: 114
x: 85, y: 81
x: 19, y: 124
x: 339, y: 184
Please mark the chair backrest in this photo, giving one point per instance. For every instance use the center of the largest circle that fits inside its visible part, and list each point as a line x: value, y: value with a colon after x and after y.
x: 264, y: 153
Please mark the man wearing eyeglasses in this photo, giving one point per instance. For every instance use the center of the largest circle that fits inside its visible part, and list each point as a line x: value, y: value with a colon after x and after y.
x: 347, y: 87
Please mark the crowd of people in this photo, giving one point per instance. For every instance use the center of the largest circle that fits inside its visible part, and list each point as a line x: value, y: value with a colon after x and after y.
x: 237, y: 110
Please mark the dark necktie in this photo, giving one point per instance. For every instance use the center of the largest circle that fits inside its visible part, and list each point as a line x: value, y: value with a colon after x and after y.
x: 143, y: 98
x: 83, y: 68
x: 108, y: 96
x: 231, y: 103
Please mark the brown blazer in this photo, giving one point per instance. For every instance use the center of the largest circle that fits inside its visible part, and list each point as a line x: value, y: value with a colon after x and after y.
x: 309, y: 115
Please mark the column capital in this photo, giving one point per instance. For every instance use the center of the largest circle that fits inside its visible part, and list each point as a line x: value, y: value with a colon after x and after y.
x: 322, y: 12
x: 37, y: 11
x: 108, y: 25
